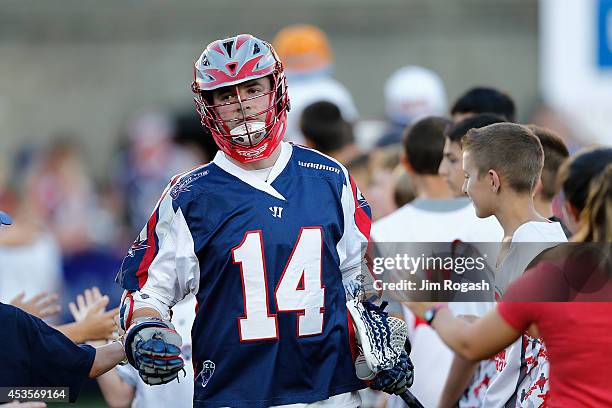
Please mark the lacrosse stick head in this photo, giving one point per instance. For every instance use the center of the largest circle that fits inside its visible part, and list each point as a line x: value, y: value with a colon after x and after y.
x: 380, y: 337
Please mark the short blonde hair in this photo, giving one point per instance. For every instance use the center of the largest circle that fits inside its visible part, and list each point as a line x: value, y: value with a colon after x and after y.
x: 512, y: 150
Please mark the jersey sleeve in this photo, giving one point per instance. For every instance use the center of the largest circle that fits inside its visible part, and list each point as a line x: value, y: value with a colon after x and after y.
x: 353, y: 243
x: 55, y: 360
x: 161, y: 266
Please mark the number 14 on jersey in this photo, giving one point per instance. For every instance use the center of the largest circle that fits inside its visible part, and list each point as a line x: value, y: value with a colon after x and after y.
x: 299, y: 289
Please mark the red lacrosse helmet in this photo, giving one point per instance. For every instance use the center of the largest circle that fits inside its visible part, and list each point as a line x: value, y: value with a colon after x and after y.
x: 230, y: 62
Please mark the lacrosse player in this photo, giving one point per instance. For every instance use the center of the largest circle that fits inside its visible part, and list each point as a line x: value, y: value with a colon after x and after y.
x: 267, y: 237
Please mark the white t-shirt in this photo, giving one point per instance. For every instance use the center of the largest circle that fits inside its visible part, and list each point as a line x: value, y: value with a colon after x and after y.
x: 540, y: 236
x: 31, y: 268
x: 174, y: 394
x: 522, y: 368
x: 435, y: 221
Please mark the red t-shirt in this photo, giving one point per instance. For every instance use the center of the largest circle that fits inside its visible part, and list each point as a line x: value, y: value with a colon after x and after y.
x: 577, y: 334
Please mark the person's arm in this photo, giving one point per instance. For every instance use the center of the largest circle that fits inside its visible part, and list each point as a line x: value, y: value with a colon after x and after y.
x: 472, y: 341
x: 475, y: 341
x: 117, y: 393
x: 164, y: 244
x: 146, y: 312
x: 55, y: 361
x: 107, y: 357
x: 357, y: 224
x: 459, y: 376
x: 161, y: 268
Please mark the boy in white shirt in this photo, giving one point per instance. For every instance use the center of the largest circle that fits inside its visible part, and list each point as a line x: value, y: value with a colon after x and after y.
x: 502, y: 164
x: 441, y: 214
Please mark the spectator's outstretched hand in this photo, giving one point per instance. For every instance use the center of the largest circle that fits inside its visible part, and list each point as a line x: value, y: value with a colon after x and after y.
x: 84, y: 303
x: 94, y: 322
x: 42, y: 305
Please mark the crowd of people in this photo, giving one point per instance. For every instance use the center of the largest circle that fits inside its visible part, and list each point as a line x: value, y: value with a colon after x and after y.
x: 435, y: 172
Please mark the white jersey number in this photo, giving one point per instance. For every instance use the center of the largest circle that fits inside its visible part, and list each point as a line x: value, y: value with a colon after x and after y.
x: 299, y: 289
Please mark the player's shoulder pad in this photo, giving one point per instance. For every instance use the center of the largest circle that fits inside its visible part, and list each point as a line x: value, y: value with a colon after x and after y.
x: 313, y: 161
x: 185, y: 185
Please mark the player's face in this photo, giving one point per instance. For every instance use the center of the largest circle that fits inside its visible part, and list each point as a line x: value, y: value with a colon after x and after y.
x: 451, y: 169
x: 477, y: 187
x: 254, y: 102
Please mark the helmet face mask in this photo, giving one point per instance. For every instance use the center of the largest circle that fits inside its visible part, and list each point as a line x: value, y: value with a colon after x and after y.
x: 248, y: 119
x: 241, y: 96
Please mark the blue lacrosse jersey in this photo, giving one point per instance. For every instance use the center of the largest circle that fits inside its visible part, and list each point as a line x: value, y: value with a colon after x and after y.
x: 266, y: 261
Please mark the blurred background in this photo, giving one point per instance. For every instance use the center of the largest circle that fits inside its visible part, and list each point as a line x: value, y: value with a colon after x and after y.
x: 96, y: 112
x: 84, y: 67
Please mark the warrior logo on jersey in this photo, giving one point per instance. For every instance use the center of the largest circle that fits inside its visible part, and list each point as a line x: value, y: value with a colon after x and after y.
x: 137, y: 246
x: 277, y: 212
x: 183, y: 185
x: 208, y: 369
x: 318, y: 166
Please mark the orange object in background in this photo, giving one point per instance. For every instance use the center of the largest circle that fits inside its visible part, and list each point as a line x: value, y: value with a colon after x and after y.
x: 303, y: 47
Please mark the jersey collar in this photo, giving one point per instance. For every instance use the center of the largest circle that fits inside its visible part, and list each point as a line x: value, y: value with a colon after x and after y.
x: 251, y: 179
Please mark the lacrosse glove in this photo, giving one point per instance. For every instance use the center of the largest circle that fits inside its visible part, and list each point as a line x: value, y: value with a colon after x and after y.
x: 153, y: 347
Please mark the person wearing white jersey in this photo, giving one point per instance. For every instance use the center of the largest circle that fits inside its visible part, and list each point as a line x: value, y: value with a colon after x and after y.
x: 437, y: 215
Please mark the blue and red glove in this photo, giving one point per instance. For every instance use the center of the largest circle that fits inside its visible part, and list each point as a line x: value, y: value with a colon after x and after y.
x: 153, y: 347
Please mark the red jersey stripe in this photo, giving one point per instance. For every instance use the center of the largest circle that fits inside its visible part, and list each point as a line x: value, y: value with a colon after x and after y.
x: 143, y: 269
